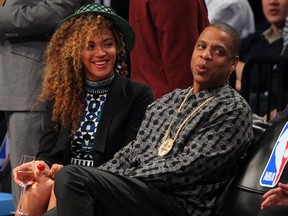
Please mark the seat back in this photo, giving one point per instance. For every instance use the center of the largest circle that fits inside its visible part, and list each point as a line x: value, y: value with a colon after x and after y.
x: 5, y: 168
x: 244, y: 194
x: 264, y: 84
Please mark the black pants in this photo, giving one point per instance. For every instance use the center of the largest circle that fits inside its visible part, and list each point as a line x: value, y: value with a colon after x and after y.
x: 274, y: 211
x: 91, y: 191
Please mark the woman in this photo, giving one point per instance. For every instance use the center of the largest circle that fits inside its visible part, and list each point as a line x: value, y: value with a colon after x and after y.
x: 92, y: 110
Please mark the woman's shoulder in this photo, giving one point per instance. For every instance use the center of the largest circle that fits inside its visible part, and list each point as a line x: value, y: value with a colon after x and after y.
x: 135, y: 85
x: 131, y: 88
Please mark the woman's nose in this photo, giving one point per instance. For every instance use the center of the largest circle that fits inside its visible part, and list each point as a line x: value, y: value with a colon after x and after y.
x: 100, y: 51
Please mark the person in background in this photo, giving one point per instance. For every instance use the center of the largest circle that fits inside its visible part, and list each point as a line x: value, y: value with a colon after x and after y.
x: 92, y: 109
x: 260, y: 21
x: 159, y: 25
x: 275, y: 114
x: 186, y: 151
x: 266, y: 43
x: 25, y: 29
x: 236, y: 13
x: 276, y: 199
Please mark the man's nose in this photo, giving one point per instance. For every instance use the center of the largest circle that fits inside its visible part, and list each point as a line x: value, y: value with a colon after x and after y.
x: 206, y: 55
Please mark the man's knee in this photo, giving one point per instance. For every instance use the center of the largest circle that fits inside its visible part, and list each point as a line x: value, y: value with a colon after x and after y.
x: 65, y: 176
x: 51, y: 212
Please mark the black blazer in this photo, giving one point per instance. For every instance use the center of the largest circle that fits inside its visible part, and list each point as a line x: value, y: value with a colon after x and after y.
x: 122, y: 115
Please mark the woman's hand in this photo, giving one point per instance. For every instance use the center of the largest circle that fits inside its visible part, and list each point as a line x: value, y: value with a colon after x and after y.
x: 55, y: 168
x: 24, y: 166
x: 39, y: 168
x: 42, y: 167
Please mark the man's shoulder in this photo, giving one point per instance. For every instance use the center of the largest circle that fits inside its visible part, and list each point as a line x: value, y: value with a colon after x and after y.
x: 176, y: 93
x: 227, y: 93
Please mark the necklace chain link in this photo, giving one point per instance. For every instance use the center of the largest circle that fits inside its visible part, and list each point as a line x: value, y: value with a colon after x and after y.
x: 167, y: 144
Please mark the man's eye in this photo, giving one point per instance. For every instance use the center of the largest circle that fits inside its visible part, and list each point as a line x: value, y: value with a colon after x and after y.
x: 200, y: 46
x: 220, y: 52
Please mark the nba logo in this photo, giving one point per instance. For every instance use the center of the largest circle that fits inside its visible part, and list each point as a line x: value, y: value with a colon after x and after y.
x: 277, y: 160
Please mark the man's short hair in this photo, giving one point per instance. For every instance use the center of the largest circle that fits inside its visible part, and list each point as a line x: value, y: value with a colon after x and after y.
x: 233, y: 33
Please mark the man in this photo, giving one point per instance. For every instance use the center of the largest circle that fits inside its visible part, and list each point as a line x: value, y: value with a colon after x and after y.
x: 187, y: 148
x: 166, y: 32
x: 25, y: 27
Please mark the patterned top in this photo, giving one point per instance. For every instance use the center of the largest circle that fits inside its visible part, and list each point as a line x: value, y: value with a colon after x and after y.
x: 205, y: 154
x: 285, y: 32
x: 82, y: 143
x: 285, y: 38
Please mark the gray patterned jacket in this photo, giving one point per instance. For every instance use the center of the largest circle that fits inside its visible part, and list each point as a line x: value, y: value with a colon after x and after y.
x: 205, y: 154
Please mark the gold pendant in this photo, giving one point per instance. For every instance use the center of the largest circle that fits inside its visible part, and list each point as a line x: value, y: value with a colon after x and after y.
x: 165, y: 147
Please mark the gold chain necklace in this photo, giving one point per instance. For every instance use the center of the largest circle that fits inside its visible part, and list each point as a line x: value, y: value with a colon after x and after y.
x: 167, y: 144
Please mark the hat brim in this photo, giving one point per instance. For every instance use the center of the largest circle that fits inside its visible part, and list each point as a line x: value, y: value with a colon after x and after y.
x: 126, y: 29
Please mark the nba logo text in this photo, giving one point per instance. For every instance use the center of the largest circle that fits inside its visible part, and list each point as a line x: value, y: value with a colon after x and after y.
x: 277, y: 161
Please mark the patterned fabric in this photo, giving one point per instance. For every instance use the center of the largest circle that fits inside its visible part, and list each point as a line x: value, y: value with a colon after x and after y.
x: 205, y: 154
x: 285, y: 39
x: 285, y: 32
x: 82, y: 144
x: 105, y: 2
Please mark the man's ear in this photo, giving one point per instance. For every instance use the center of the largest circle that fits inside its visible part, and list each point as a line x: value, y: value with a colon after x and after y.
x: 234, y: 64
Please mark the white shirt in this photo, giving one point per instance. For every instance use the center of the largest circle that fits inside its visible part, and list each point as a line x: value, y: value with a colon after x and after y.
x: 104, y: 2
x: 237, y: 13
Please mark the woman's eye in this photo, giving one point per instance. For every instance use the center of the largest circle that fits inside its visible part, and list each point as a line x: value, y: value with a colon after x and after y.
x: 108, y: 44
x: 90, y: 46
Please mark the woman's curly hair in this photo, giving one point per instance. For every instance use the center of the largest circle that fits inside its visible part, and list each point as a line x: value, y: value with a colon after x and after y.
x: 63, y: 81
